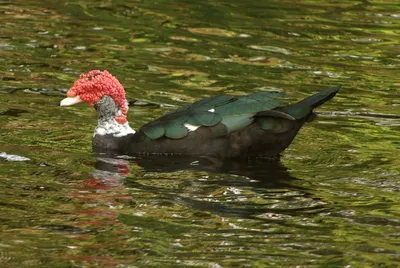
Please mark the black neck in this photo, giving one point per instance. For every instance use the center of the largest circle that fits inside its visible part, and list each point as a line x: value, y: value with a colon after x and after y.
x: 106, y: 108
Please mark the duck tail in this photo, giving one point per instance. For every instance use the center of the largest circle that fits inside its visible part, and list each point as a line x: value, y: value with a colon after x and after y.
x: 303, y: 108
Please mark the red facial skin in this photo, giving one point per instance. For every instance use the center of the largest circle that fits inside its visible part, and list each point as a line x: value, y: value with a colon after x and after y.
x: 91, y: 87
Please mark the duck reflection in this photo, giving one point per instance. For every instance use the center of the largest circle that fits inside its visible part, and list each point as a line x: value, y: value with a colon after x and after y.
x: 260, y: 172
x: 268, y: 180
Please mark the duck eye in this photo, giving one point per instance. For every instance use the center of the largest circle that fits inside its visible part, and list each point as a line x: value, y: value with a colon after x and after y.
x: 93, y: 76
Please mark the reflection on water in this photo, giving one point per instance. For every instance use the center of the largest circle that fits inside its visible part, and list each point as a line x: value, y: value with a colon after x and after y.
x: 215, y: 206
x: 331, y: 201
x: 256, y: 175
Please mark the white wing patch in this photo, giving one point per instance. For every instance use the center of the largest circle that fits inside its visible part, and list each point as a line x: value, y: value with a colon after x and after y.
x: 190, y: 127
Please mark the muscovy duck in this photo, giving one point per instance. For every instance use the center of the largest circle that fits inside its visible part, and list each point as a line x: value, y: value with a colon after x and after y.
x: 254, y: 125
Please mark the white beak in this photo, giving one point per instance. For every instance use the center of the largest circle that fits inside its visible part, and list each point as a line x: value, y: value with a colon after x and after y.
x: 71, y: 101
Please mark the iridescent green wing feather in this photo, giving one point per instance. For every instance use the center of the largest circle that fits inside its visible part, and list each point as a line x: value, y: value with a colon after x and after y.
x: 239, y: 114
x: 234, y: 113
x: 172, y: 126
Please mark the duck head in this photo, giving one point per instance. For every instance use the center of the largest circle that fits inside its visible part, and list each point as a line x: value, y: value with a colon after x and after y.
x: 93, y: 87
x: 106, y: 94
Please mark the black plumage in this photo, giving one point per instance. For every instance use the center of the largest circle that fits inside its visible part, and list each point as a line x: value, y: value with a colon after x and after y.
x: 255, y: 125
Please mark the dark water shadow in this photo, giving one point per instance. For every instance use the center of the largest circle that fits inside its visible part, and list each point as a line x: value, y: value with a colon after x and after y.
x: 263, y: 173
x: 269, y: 179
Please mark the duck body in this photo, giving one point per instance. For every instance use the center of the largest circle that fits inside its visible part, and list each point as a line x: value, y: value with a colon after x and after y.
x: 255, y: 125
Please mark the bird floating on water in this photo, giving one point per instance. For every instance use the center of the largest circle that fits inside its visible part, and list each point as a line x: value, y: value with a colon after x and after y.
x: 255, y: 125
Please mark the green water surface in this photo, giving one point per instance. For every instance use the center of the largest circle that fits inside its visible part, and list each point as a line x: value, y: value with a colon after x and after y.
x: 331, y: 201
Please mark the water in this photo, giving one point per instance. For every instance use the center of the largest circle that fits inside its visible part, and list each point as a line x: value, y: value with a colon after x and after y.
x: 331, y: 201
